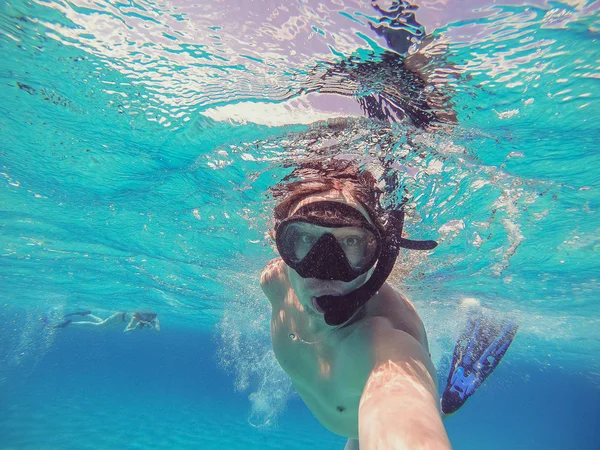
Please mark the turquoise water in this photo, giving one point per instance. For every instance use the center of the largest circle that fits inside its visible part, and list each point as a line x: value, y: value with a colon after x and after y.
x: 139, y: 143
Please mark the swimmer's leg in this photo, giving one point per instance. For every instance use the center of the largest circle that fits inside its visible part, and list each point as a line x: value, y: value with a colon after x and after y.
x: 116, y: 318
x: 478, y: 351
x: 352, y: 444
x: 79, y: 313
x: 85, y: 324
x: 87, y: 314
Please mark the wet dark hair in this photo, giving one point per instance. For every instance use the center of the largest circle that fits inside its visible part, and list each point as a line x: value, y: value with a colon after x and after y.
x: 145, y: 316
x: 323, y: 175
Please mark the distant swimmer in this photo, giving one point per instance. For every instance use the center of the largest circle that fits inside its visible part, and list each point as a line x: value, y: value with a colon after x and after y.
x: 85, y: 319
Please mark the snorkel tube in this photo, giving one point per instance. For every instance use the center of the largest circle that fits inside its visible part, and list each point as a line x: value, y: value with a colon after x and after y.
x: 340, y: 308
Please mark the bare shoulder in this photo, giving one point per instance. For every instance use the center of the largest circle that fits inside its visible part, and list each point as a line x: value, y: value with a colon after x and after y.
x: 272, y: 279
x: 380, y: 341
x: 399, y: 313
x: 270, y: 271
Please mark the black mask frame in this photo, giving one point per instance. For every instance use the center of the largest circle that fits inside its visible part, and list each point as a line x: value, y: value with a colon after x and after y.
x: 326, y: 260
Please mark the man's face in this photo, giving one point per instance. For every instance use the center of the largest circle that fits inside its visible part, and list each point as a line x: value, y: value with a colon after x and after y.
x: 307, y: 289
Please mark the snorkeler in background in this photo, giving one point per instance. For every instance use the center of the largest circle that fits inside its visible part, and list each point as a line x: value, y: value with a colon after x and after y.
x: 85, y: 319
x: 356, y: 349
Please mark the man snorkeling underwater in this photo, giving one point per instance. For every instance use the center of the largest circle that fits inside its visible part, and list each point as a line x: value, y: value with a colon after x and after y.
x: 85, y: 319
x: 355, y: 349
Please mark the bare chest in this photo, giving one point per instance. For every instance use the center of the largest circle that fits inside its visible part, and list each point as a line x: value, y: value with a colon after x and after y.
x: 329, y: 382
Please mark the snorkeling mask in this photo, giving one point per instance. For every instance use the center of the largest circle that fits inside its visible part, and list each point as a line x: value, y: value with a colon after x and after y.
x: 329, y: 240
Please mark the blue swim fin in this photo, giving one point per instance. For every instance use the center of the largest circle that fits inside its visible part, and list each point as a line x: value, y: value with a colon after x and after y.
x: 479, y: 349
x: 63, y: 324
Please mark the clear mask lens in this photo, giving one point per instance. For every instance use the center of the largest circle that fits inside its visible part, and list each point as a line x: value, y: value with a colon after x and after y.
x: 358, y: 244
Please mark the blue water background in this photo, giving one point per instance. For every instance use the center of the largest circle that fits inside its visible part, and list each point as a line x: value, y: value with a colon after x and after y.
x: 116, y: 193
x: 147, y: 391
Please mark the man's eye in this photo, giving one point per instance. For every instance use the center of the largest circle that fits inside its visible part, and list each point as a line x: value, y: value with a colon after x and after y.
x: 307, y: 239
x: 351, y: 241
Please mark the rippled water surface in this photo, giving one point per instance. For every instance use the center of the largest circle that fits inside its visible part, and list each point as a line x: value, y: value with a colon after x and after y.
x: 140, y: 140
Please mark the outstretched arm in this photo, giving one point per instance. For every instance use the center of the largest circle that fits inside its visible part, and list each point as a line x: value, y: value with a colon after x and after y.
x: 132, y: 325
x: 399, y: 407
